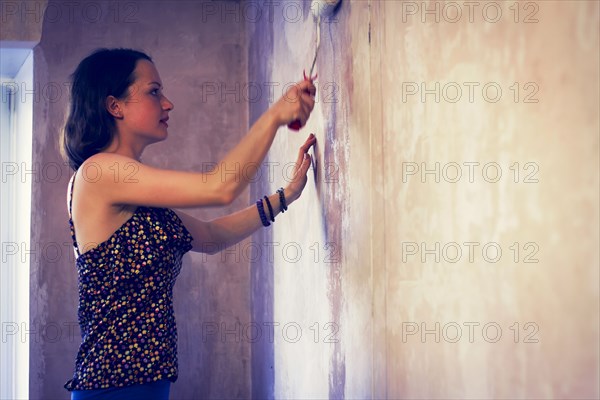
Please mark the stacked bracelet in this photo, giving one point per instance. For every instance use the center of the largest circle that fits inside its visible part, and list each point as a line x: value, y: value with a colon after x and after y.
x: 283, y: 205
x: 261, y: 212
x: 261, y: 208
x: 270, y: 209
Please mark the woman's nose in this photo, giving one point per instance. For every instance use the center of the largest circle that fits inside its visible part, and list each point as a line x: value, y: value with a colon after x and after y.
x: 167, y: 105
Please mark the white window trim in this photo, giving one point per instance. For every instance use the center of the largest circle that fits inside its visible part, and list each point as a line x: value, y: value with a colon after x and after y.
x: 16, y: 130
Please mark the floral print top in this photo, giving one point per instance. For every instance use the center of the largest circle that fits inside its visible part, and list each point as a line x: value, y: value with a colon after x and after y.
x: 125, y: 308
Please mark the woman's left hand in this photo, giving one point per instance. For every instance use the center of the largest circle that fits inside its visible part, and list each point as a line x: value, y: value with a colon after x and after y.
x: 296, y: 186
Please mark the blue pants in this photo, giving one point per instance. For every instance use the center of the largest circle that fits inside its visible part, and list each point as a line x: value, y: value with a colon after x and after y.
x: 150, y: 391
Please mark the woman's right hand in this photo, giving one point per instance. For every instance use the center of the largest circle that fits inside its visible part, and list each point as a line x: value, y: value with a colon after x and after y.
x: 296, y: 104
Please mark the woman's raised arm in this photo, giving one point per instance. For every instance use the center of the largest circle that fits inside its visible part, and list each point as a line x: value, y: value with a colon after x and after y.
x: 240, y: 165
x: 120, y: 180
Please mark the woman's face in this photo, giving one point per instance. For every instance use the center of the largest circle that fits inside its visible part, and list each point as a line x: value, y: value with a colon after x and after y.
x: 146, y: 108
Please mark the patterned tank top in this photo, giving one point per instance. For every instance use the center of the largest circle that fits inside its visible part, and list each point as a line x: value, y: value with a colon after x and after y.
x: 125, y: 310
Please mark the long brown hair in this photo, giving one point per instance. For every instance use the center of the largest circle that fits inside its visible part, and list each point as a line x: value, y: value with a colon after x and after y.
x: 89, y: 127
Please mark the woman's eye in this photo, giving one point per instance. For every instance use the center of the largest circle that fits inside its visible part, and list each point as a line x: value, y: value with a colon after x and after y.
x: 155, y: 90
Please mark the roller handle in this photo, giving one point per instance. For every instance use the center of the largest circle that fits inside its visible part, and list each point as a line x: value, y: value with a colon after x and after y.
x: 297, y: 124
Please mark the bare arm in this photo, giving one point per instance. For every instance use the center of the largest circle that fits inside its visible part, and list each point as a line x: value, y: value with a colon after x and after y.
x: 116, y: 180
x: 214, y: 236
x: 240, y: 165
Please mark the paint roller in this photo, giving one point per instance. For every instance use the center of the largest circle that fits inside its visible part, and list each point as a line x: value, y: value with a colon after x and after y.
x: 320, y: 9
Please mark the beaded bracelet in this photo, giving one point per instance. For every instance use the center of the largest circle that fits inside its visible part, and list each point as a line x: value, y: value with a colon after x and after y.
x: 270, y: 208
x: 261, y: 212
x: 283, y: 204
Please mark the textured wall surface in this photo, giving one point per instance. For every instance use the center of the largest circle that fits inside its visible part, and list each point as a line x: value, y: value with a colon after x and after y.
x: 195, y: 53
x: 422, y: 303
x: 541, y: 212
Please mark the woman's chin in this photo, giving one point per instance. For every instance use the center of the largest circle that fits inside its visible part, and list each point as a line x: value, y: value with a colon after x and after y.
x: 165, y: 129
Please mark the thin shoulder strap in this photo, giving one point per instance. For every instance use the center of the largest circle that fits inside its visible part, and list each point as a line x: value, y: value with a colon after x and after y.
x: 70, y: 202
x: 70, y: 199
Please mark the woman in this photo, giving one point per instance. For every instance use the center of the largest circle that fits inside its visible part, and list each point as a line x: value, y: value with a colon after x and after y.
x: 127, y: 240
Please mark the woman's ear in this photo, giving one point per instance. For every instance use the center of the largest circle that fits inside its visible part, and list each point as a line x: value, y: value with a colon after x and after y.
x: 113, y: 107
